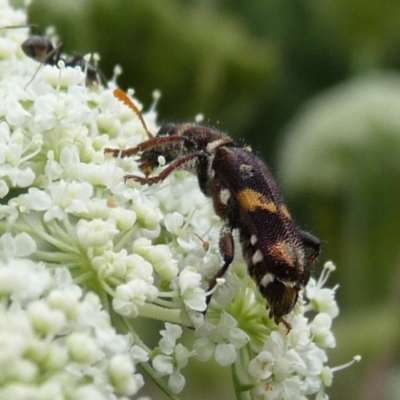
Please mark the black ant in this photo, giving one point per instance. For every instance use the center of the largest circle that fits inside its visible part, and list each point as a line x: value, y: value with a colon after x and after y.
x: 40, y: 48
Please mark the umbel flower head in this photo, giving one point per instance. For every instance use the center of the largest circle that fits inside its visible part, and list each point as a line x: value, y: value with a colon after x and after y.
x: 83, y: 254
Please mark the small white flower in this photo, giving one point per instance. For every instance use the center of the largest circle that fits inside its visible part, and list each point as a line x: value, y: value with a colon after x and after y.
x: 64, y: 78
x: 323, y: 299
x: 23, y: 279
x: 159, y: 255
x: 176, y: 382
x: 82, y: 348
x: 321, y: 330
x: 18, y: 392
x: 17, y: 176
x: 9, y: 212
x: 22, y: 245
x: 69, y: 161
x: 138, y: 267
x: 56, y: 356
x: 171, y: 365
x: 83, y: 392
x: 261, y: 366
x: 97, y: 174
x: 110, y: 264
x: 67, y: 300
x: 327, y: 373
x: 138, y: 354
x: 174, y: 357
x: 170, y: 335
x: 288, y: 390
x: 38, y: 199
x: 148, y: 217
x: 67, y: 198
x: 43, y: 109
x: 222, y: 340
x: 131, y: 296
x: 123, y: 377
x: 189, y: 284
x: 124, y: 219
x: 95, y: 233
x: 174, y: 222
x: 45, y: 320
x: 15, y: 113
x: 107, y: 123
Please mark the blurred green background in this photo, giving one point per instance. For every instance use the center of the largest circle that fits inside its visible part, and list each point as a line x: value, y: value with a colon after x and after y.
x: 314, y: 87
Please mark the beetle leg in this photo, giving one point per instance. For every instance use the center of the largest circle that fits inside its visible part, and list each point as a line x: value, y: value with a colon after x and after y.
x: 177, y: 164
x: 227, y: 250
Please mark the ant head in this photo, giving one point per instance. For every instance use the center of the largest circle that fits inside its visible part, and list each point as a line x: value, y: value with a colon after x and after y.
x: 38, y: 48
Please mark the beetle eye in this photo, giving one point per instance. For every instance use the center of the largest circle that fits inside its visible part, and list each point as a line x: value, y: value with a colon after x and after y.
x: 164, y: 130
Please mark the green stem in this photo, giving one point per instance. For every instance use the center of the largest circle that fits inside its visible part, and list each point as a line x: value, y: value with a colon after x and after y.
x: 145, y: 368
x: 239, y: 374
x: 160, y: 313
x: 163, y: 303
x: 71, y: 232
x: 123, y: 325
x: 120, y: 243
x: 81, y: 278
x: 55, y: 257
x: 50, y: 239
x: 104, y: 299
x: 65, y: 238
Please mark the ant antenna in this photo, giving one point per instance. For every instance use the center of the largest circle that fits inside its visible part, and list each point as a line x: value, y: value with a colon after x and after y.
x: 22, y: 26
x: 122, y: 96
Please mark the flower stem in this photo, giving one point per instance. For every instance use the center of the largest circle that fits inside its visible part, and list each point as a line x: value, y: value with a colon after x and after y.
x: 160, y: 313
x: 144, y: 367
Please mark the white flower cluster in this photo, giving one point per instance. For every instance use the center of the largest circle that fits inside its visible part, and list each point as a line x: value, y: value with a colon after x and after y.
x: 71, y: 202
x: 292, y: 365
x: 56, y: 342
x: 174, y: 357
x: 131, y: 250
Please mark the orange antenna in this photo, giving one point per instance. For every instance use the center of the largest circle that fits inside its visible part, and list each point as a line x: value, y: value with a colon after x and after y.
x: 122, y: 96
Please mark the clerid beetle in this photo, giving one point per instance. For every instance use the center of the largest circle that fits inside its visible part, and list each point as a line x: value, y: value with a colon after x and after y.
x: 246, y: 198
